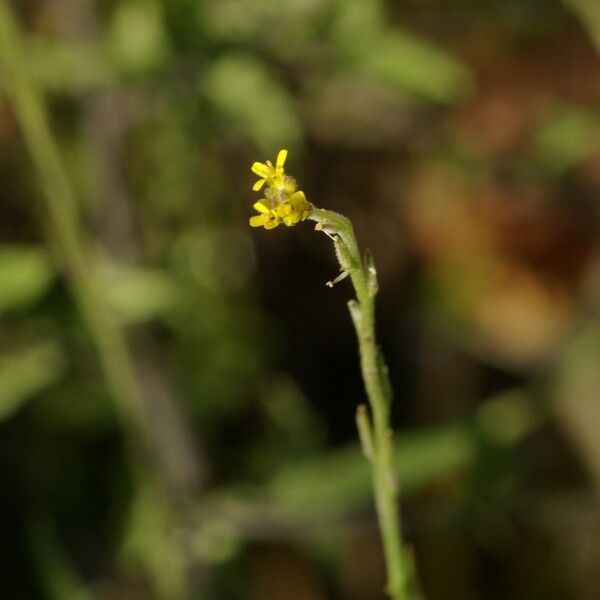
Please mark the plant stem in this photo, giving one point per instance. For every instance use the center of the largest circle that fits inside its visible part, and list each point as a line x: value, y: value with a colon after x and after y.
x: 376, y: 437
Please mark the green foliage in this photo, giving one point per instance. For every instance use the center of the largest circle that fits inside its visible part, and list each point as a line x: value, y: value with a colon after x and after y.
x: 137, y: 294
x: 252, y: 101
x: 588, y: 13
x: 413, y: 66
x: 463, y: 140
x: 406, y: 62
x: 27, y: 372
x: 569, y: 136
x: 26, y: 274
x: 150, y: 539
x: 137, y: 40
x: 67, y: 67
x: 336, y: 484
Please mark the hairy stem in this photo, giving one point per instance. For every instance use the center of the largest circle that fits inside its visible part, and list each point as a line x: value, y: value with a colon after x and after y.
x: 376, y: 436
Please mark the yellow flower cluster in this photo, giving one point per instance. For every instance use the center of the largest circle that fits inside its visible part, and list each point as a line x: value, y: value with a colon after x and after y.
x: 283, y: 202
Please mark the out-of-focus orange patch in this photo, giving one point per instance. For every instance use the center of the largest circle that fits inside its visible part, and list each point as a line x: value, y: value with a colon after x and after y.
x: 504, y: 262
x: 514, y: 87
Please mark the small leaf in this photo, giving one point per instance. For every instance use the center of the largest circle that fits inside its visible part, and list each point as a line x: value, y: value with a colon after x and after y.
x: 138, y: 294
x: 26, y: 274
x: 254, y: 101
x: 409, y: 63
x: 25, y: 374
x: 568, y: 138
x: 137, y: 40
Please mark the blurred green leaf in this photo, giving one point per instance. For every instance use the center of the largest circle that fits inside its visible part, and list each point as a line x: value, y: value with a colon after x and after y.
x: 137, y: 40
x: 588, y: 12
x: 26, y: 373
x: 26, y: 273
x: 340, y: 482
x: 414, y: 66
x: 138, y: 294
x: 218, y: 541
x: 151, y: 542
x: 291, y: 25
x: 569, y: 137
x: 68, y: 66
x: 335, y: 484
x: 508, y: 418
x: 394, y: 56
x: 577, y: 394
x: 254, y: 101
x: 357, y: 23
x: 290, y: 414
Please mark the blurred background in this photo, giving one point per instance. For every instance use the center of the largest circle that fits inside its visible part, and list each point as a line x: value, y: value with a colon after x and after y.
x: 177, y: 391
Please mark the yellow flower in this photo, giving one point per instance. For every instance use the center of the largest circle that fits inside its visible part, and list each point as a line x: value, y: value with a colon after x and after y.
x: 282, y: 202
x: 293, y: 210
x: 269, y: 174
x: 266, y: 218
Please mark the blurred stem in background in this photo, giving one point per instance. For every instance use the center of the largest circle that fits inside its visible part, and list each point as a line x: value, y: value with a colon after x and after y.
x: 65, y: 229
x: 376, y: 436
x: 74, y: 252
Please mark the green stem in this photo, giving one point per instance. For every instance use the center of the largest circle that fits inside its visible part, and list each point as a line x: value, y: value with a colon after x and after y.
x: 376, y: 437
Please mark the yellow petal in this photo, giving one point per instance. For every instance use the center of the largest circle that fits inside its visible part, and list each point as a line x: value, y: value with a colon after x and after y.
x: 281, y: 158
x: 260, y: 169
x: 257, y: 221
x: 298, y: 196
x: 271, y: 224
x: 258, y: 185
x: 261, y: 207
x: 283, y: 209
